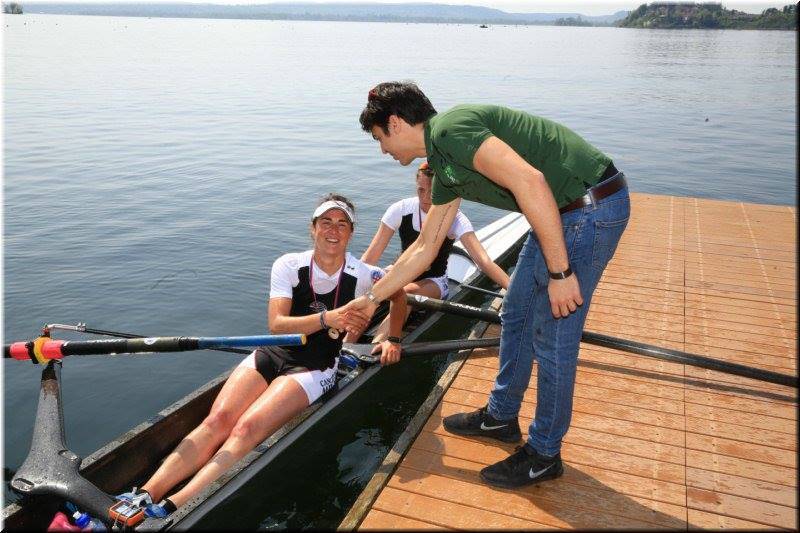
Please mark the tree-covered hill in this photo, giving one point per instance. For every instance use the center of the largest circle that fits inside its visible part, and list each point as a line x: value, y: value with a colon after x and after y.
x: 12, y: 9
x: 708, y: 15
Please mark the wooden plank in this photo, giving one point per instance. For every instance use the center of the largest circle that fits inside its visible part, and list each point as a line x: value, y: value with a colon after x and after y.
x: 433, y: 439
x: 742, y: 352
x: 441, y: 512
x: 587, y: 420
x: 378, y: 520
x: 744, y: 508
x: 741, y: 486
x: 705, y: 520
x: 758, y: 406
x: 742, y: 418
x: 639, y: 385
x: 553, y: 503
x: 610, y: 396
x: 639, y: 447
x: 703, y: 378
x: 733, y: 431
x: 468, y: 391
x: 767, y: 328
x: 742, y: 450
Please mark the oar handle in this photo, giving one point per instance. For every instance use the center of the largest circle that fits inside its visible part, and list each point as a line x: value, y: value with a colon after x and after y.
x: 43, y: 349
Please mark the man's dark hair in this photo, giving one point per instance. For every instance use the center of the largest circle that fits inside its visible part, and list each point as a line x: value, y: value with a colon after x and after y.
x: 332, y: 196
x: 403, y: 99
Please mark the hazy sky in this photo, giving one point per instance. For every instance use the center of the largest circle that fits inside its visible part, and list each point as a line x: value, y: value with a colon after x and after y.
x: 586, y: 7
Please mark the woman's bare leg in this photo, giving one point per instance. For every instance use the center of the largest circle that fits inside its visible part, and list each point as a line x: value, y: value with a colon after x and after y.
x: 241, y: 389
x: 282, y: 400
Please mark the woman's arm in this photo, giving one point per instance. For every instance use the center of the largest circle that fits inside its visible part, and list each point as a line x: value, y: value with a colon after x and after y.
x: 482, y: 260
x: 379, y: 243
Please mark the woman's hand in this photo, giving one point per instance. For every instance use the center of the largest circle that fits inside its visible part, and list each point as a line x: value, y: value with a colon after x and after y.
x: 390, y: 352
x: 343, y: 318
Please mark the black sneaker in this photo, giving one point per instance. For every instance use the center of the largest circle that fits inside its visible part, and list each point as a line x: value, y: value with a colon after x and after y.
x: 481, y: 423
x: 523, y: 467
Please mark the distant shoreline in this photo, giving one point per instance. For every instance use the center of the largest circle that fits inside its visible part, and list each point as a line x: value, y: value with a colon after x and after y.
x: 657, y: 15
x: 329, y: 19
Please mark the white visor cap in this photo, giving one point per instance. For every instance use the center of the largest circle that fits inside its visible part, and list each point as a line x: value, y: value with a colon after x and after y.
x: 335, y: 204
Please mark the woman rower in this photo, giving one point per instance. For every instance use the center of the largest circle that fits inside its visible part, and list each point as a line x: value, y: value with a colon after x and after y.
x: 273, y: 384
x: 407, y: 216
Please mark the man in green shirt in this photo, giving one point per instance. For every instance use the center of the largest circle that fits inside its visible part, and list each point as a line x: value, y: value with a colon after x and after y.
x: 577, y: 205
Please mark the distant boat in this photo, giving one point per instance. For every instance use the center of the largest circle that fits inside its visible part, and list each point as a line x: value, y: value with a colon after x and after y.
x: 483, y: 26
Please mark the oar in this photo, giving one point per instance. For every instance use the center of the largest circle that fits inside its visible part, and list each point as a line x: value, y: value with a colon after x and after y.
x: 625, y: 345
x: 363, y: 351
x: 44, y: 349
x: 478, y: 289
x: 81, y: 327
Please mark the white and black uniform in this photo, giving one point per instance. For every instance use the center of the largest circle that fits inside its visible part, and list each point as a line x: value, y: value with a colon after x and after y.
x: 405, y: 216
x: 312, y: 365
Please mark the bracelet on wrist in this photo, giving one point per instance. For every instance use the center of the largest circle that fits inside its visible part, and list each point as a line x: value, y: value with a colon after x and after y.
x: 393, y: 339
x: 372, y: 298
x: 322, y: 320
x: 561, y: 275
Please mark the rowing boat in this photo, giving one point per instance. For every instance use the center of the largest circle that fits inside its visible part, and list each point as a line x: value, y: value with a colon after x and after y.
x: 132, y: 457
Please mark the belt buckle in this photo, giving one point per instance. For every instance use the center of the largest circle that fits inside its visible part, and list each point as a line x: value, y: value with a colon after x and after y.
x: 589, y: 199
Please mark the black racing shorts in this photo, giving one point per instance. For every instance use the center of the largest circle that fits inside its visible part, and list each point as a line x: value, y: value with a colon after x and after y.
x: 271, y: 365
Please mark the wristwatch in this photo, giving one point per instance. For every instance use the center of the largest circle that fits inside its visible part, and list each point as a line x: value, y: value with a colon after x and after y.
x: 372, y: 298
x: 393, y: 339
x: 561, y: 275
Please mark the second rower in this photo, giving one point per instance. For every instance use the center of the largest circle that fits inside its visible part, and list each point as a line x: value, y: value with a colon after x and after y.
x: 407, y: 217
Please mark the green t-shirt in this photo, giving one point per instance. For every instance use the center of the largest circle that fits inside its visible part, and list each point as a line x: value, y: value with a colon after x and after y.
x: 569, y: 164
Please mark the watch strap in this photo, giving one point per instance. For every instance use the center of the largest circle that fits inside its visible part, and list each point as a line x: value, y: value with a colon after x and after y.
x: 561, y: 275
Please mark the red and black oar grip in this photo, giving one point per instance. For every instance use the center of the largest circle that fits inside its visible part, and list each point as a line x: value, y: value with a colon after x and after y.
x: 38, y: 351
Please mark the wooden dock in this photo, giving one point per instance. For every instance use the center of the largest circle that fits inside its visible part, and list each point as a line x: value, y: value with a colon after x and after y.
x: 653, y: 444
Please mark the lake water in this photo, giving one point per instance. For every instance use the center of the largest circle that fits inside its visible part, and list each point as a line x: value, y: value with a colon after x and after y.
x: 155, y: 168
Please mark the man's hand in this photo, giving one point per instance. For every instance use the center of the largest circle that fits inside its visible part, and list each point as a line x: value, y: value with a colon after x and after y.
x: 360, y: 307
x: 565, y: 296
x: 346, y: 319
x: 390, y: 352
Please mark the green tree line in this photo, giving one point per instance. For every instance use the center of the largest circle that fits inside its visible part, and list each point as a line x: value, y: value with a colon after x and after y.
x: 709, y: 15
x: 12, y: 8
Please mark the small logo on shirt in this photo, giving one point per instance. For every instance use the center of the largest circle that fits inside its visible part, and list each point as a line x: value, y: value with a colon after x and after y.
x: 449, y: 173
x: 376, y: 275
x: 317, y: 306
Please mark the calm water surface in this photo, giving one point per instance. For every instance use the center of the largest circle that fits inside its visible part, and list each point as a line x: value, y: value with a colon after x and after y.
x: 155, y: 168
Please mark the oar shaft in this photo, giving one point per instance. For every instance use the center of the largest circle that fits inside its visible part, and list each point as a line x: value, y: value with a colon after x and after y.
x: 364, y: 351
x: 432, y: 304
x: 685, y: 358
x: 81, y: 327
x: 483, y: 291
x: 428, y: 348
x: 625, y: 345
x: 56, y: 349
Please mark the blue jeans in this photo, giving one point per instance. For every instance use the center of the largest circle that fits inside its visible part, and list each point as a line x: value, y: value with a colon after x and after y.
x: 529, y: 330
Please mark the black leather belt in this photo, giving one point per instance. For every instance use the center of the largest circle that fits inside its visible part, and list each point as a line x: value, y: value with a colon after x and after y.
x: 606, y: 187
